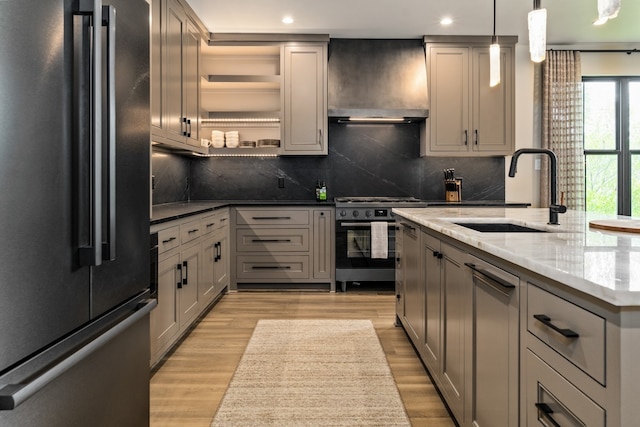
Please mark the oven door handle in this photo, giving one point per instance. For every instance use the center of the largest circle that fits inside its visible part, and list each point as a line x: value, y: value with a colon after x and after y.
x: 363, y: 224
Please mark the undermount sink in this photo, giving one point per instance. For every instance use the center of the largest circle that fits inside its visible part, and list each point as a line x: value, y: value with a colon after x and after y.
x: 499, y: 227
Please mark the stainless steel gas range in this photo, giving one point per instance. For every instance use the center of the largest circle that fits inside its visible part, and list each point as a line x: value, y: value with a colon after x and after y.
x: 361, y: 252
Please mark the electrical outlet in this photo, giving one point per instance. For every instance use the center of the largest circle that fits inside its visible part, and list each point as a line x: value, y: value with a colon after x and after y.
x: 280, y: 182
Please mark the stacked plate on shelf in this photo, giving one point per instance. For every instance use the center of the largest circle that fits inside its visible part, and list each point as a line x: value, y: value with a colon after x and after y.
x: 217, y: 139
x: 247, y: 144
x: 232, y: 139
x: 269, y: 143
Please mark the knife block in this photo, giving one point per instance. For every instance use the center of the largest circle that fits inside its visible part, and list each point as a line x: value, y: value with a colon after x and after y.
x: 453, y: 190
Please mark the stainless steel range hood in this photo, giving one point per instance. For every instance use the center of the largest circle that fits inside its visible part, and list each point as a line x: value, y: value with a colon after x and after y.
x: 377, y: 81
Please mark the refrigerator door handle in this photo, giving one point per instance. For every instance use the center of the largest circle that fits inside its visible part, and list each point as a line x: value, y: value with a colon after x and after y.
x: 12, y: 395
x: 109, y: 245
x: 91, y: 253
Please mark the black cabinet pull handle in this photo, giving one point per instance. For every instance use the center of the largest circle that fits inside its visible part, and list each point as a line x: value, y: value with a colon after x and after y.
x: 218, y: 256
x: 271, y: 240
x: 491, y: 279
x: 546, y: 412
x: 410, y: 227
x: 476, y: 141
x: 171, y: 239
x: 192, y: 231
x: 466, y: 137
x: 185, y: 278
x: 270, y: 217
x: 567, y: 333
x: 211, y: 224
x: 271, y: 267
x: 179, y: 267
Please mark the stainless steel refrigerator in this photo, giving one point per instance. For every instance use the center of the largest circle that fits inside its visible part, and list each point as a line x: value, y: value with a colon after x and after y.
x: 74, y: 213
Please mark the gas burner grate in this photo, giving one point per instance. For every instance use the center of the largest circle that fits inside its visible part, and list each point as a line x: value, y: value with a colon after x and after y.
x: 375, y: 199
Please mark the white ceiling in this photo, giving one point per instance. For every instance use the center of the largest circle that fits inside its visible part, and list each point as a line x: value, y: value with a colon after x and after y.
x: 569, y: 21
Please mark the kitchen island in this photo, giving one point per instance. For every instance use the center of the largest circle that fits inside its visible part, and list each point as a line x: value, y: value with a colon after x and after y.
x: 547, y: 320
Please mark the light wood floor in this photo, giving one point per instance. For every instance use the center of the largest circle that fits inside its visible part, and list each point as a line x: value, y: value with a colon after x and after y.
x: 188, y: 387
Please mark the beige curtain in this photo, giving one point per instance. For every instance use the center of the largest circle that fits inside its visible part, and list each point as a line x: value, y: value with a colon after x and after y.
x: 562, y: 127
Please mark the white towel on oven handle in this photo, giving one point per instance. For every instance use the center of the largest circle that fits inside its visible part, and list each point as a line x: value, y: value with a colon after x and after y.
x: 379, y: 239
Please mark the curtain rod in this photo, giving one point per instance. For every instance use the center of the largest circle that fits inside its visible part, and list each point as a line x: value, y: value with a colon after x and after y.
x: 627, y: 51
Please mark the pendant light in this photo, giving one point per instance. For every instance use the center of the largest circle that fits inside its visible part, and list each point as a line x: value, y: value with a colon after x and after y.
x: 494, y: 54
x: 538, y: 32
x: 607, y: 9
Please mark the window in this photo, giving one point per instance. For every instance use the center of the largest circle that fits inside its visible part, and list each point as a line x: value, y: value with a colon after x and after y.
x: 612, y: 144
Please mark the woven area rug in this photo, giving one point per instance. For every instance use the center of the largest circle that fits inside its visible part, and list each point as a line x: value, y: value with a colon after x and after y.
x: 312, y: 373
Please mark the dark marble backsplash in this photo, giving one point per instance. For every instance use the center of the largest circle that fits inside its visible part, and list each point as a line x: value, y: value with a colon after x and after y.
x: 171, y: 179
x: 363, y: 160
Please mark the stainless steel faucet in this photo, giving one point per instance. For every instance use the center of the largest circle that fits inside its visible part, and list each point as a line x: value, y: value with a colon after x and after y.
x: 554, y: 208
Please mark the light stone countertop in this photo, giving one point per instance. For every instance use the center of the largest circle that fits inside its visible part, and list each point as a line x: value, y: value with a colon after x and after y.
x: 603, y: 264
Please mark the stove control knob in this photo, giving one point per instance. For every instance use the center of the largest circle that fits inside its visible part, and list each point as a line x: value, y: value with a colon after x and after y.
x: 367, y: 214
x: 355, y: 214
x: 343, y: 213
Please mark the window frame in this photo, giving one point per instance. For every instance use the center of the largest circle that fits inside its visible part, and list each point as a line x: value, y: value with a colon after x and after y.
x: 622, y: 150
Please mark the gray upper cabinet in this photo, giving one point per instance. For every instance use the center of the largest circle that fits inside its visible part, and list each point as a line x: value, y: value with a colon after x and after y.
x: 270, y: 90
x: 305, y: 99
x: 175, y: 77
x: 467, y: 117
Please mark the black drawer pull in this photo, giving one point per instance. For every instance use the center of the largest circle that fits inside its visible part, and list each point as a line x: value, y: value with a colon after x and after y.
x: 211, y: 224
x: 271, y: 267
x: 170, y: 239
x: 270, y: 217
x: 567, y: 333
x: 546, y: 412
x: 192, y: 231
x: 491, y: 279
x: 271, y: 240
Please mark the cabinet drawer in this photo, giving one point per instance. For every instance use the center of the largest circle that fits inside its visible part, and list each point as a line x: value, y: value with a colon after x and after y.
x: 190, y: 231
x: 168, y: 239
x: 272, y: 240
x: 265, y: 267
x: 554, y: 320
x: 271, y: 217
x: 550, y: 396
x: 208, y: 224
x: 214, y: 221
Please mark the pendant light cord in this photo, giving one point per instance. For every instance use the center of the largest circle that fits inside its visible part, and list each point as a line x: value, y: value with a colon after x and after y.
x: 494, y: 18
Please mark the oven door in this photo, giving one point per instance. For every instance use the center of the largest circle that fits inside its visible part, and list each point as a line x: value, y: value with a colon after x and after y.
x: 353, y: 253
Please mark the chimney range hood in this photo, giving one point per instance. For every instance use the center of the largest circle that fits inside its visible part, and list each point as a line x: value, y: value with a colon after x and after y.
x: 377, y: 81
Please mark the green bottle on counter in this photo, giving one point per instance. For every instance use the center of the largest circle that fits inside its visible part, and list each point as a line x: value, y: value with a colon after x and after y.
x: 321, y: 191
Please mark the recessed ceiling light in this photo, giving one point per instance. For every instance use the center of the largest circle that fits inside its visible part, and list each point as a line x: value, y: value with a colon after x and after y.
x: 446, y: 21
x: 287, y: 20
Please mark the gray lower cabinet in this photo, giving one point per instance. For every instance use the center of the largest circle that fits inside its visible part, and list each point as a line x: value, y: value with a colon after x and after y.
x: 274, y: 246
x: 507, y: 347
x: 165, y: 319
x: 463, y: 324
x: 457, y: 341
x: 189, y: 297
x: 192, y: 271
x: 431, y: 256
x: 413, y: 287
x: 494, y: 395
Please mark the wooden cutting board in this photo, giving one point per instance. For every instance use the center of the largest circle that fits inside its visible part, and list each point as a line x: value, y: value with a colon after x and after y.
x: 622, y: 225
